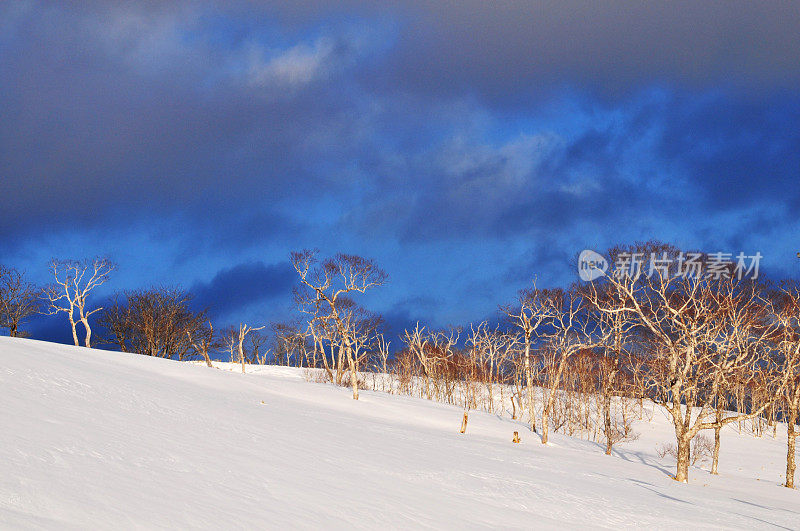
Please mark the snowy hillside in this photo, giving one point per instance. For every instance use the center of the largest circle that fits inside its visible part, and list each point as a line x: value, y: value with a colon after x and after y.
x: 94, y: 439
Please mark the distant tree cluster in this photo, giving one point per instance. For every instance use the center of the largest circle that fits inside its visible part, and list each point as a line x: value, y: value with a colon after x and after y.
x: 154, y: 322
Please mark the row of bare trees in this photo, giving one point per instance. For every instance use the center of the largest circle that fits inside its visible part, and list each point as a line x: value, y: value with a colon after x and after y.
x: 710, y: 351
x: 155, y: 322
x: 160, y: 322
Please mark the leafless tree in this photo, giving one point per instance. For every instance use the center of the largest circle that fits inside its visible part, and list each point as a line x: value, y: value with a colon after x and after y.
x: 566, y: 330
x: 330, y: 284
x: 608, y: 308
x: 74, y: 280
x: 788, y: 359
x: 244, y: 330
x: 492, y: 348
x: 256, y: 347
x: 434, y: 353
x: 382, y: 348
x: 202, y: 341
x: 683, y: 313
x: 527, y: 318
x: 229, y: 341
x: 156, y: 322
x: 18, y: 300
x: 738, y: 348
x: 286, y: 343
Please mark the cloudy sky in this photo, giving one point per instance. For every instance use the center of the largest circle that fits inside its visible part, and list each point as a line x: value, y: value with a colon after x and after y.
x: 466, y: 146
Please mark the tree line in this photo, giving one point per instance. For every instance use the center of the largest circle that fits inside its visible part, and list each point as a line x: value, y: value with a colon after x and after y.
x: 710, y: 350
x: 584, y: 360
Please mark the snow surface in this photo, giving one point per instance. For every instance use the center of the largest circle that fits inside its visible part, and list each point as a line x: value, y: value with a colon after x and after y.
x: 96, y: 439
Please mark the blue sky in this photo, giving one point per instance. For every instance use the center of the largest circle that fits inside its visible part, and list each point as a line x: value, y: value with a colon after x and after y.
x: 467, y: 148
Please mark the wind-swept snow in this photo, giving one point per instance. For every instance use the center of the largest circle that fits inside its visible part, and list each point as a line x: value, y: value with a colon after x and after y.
x: 95, y: 439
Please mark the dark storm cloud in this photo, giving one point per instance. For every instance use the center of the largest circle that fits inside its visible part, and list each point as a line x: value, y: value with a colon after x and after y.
x: 681, y: 159
x: 111, y: 113
x: 502, y: 48
x: 471, y: 188
x: 509, y: 52
x: 112, y: 110
x: 406, y: 313
x: 242, y: 285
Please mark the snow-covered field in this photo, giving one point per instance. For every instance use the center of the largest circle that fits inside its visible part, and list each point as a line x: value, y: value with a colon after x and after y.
x: 95, y: 439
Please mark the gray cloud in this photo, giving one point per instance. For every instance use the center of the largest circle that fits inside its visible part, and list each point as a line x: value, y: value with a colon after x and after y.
x: 513, y: 52
x: 342, y: 125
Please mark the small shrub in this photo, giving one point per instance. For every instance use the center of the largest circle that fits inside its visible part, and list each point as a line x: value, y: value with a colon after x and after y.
x: 700, y: 451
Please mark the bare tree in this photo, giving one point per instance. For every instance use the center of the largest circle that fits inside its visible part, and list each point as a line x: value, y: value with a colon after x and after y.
x: 202, y: 340
x: 330, y: 284
x: 526, y: 317
x: 74, y: 280
x: 567, y: 329
x: 608, y: 307
x: 244, y: 330
x: 285, y: 338
x: 18, y: 300
x: 491, y: 346
x: 788, y: 354
x: 416, y: 342
x: 229, y: 341
x: 257, y: 342
x: 738, y: 348
x: 434, y: 351
x: 382, y: 348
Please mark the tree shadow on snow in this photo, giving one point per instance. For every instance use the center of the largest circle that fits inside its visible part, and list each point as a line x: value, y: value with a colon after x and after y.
x: 764, y: 506
x: 652, y: 488
x: 635, y: 457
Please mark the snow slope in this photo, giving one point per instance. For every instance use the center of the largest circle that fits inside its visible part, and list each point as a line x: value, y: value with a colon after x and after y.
x: 95, y: 439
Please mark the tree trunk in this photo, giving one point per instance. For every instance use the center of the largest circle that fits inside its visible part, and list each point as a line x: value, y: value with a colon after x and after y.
x: 528, y: 382
x: 513, y: 408
x: 607, y: 422
x: 491, y: 390
x: 339, y: 366
x: 88, y: 332
x: 353, y: 374
x: 791, y: 442
x: 684, y: 456
x: 545, y: 423
x: 717, y: 430
x: 241, y: 351
x: 324, y: 358
x: 551, y: 398
x: 715, y: 453
x: 74, y: 331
